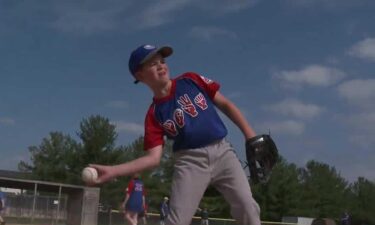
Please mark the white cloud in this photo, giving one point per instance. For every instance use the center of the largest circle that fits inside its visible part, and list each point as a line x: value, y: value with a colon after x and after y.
x: 355, y: 162
x: 163, y: 12
x: 313, y: 75
x: 95, y: 16
x: 295, y: 108
x: 289, y: 127
x: 132, y: 128
x: 77, y: 17
x: 359, y: 92
x: 364, y: 49
x: 362, y: 169
x: 86, y: 22
x: 234, y: 95
x: 365, y: 141
x: 7, y: 121
x: 305, y: 2
x: 361, y: 128
x: 158, y: 13
x: 354, y: 165
x: 364, y: 121
x: 209, y: 33
x: 330, y: 4
x: 118, y: 104
x: 226, y: 6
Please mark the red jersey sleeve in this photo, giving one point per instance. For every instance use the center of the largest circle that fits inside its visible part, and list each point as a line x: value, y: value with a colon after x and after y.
x: 130, y: 187
x: 154, y: 132
x: 210, y: 86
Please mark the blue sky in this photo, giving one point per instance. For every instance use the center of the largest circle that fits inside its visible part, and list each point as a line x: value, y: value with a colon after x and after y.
x: 303, y: 69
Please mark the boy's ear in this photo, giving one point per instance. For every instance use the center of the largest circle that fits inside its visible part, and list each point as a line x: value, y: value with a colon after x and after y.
x: 138, y: 74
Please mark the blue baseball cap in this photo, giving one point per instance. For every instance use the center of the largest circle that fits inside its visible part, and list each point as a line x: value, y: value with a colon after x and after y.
x: 145, y: 52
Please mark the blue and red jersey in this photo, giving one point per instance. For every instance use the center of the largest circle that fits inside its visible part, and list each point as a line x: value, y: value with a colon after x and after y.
x: 187, y: 115
x: 136, y: 192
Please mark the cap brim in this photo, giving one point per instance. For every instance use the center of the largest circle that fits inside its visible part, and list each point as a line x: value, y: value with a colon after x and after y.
x: 164, y: 51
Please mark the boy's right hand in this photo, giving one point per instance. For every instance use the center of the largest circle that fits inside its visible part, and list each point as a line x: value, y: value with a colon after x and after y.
x: 105, y: 173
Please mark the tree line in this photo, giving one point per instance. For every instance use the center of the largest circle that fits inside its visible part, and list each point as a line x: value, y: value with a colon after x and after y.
x: 316, y: 190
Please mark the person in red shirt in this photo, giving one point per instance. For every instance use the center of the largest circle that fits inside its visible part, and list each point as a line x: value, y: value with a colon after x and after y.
x: 186, y: 109
x: 134, y: 202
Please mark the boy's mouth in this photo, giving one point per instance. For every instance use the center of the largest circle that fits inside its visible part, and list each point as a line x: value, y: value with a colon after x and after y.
x: 162, y: 74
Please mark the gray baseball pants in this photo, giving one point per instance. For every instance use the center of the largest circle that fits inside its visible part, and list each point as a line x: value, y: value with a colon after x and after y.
x: 217, y: 165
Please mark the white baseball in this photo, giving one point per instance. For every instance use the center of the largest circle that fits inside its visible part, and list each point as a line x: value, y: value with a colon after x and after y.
x: 89, y: 175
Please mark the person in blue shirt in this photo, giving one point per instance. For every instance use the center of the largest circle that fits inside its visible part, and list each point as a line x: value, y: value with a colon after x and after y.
x: 134, y: 202
x: 204, y: 216
x: 186, y: 109
x: 164, y: 210
x: 2, y: 207
x: 345, y: 219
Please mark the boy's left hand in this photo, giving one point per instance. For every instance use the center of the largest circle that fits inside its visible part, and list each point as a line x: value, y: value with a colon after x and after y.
x: 262, y: 155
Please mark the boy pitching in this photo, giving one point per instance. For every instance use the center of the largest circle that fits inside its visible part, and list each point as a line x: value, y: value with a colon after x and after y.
x: 184, y: 110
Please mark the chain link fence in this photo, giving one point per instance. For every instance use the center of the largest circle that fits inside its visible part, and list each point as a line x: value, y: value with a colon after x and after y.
x: 116, y: 217
x: 43, y: 209
x: 23, y: 209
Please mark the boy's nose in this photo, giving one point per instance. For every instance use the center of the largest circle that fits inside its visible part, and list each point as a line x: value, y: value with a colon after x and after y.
x: 159, y: 65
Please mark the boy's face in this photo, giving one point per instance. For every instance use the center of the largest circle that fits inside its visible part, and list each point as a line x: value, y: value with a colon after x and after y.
x: 154, y: 71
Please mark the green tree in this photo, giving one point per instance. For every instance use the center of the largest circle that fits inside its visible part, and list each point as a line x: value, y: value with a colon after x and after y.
x: 98, y: 137
x: 281, y: 194
x: 59, y: 158
x: 316, y: 190
x: 49, y: 160
x: 215, y: 203
x: 362, y: 201
x: 323, y: 191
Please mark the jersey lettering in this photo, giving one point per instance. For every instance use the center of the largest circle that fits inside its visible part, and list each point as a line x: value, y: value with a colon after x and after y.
x: 138, y: 187
x: 200, y: 101
x: 187, y: 105
x: 206, y: 80
x: 170, y: 127
x: 178, y: 117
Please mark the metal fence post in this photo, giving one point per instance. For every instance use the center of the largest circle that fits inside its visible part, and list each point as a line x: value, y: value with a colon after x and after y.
x: 58, y: 206
x: 34, y: 202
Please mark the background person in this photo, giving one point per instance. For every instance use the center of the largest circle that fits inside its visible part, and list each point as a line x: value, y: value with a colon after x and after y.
x: 134, y: 202
x: 164, y: 210
x: 204, y: 216
x: 345, y: 219
x: 2, y: 207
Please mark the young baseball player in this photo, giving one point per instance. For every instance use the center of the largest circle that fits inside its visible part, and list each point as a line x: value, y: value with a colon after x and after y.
x: 134, y: 202
x: 184, y: 110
